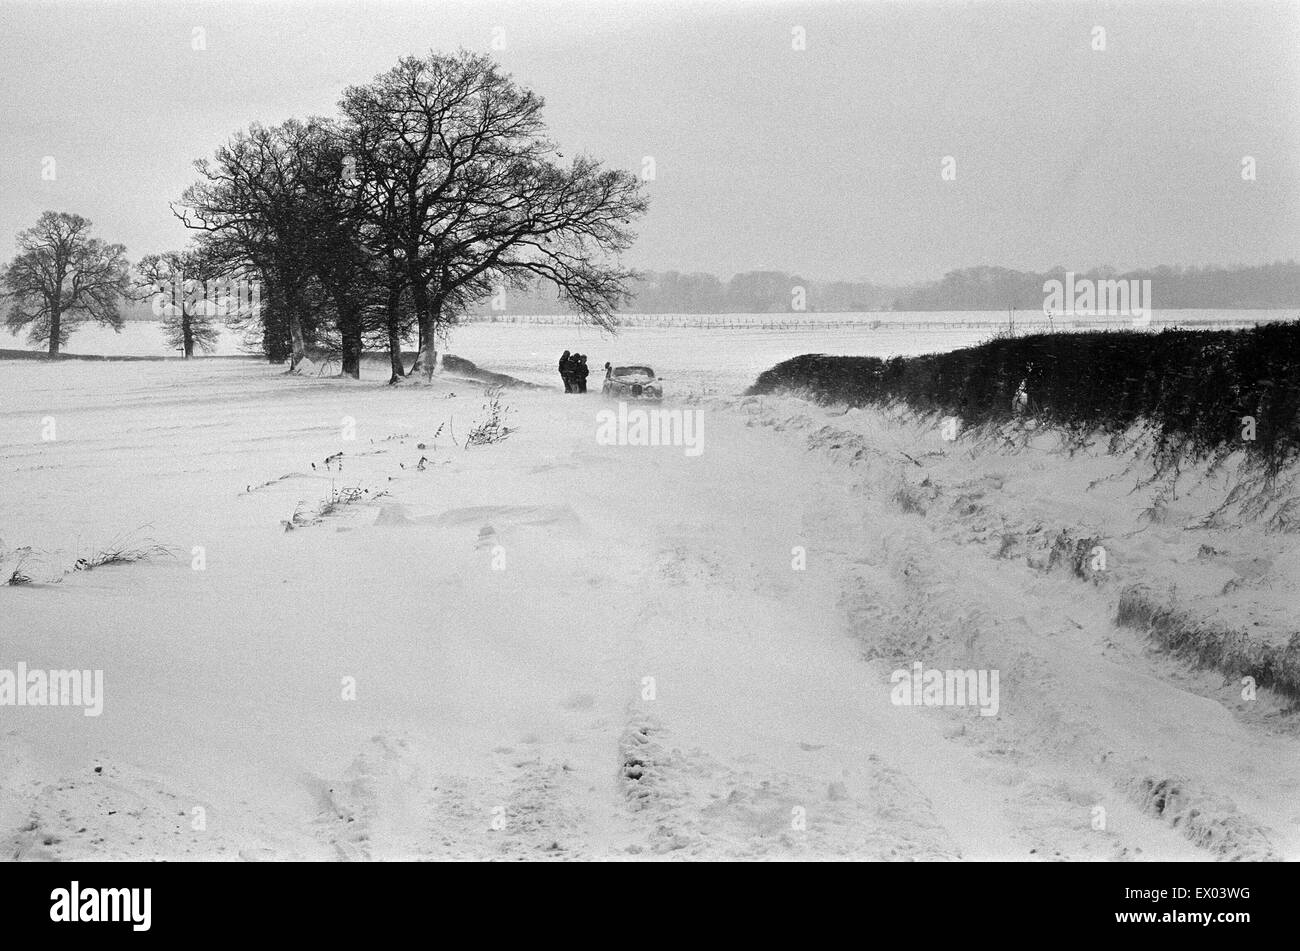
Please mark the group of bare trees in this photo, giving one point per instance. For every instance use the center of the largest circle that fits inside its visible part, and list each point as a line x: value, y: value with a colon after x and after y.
x: 434, y: 187
x: 63, y: 277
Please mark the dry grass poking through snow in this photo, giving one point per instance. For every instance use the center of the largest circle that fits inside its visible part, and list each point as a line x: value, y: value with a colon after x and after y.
x: 1233, y: 652
x: 123, y: 551
x: 14, y: 566
x: 493, y: 429
x: 17, y: 566
x: 337, y: 500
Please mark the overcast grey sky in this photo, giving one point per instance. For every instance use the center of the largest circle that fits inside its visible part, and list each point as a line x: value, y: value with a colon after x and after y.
x: 825, y: 161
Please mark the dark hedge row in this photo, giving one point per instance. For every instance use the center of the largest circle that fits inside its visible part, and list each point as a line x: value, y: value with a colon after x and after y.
x: 1193, y: 386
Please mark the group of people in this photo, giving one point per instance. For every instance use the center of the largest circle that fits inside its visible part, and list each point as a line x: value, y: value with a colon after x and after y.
x: 573, y: 371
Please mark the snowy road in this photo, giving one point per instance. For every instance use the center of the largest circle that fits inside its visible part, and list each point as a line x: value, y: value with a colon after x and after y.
x: 550, y: 647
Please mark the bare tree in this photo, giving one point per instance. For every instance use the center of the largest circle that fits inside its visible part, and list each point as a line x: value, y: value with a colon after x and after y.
x: 357, y: 280
x: 456, y: 176
x: 250, y: 204
x: 371, y: 211
x: 61, y: 278
x: 183, y: 290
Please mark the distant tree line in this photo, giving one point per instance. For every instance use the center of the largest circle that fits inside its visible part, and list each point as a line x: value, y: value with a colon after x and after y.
x: 1269, y: 286
x: 750, y: 292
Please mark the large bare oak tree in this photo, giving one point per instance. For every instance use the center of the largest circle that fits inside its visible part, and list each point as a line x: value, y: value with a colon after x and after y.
x: 457, y: 181
x: 176, y: 285
x: 62, y: 277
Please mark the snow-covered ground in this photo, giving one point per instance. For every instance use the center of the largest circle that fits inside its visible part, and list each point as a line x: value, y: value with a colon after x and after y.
x: 552, y: 647
x: 692, y: 358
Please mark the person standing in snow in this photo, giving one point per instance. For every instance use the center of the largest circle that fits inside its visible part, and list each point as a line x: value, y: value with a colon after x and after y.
x: 564, y: 372
x: 580, y: 373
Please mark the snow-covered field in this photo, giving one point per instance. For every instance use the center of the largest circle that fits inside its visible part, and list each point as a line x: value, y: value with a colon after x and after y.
x: 553, y: 647
x: 692, y: 358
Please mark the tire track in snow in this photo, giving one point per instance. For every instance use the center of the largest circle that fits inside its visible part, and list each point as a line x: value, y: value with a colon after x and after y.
x: 1068, y: 711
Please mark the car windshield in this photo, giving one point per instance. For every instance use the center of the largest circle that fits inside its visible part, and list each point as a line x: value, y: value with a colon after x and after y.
x: 634, y: 373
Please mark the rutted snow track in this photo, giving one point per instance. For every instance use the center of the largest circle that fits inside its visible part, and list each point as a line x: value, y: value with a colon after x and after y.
x: 553, y: 649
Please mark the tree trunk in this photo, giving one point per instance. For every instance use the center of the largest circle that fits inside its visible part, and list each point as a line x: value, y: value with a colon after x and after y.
x: 187, y: 334
x: 55, y: 325
x: 395, y: 357
x: 395, y: 334
x: 419, y: 346
x: 299, y: 349
x: 350, y: 328
x: 273, y: 315
x: 428, y: 359
x: 420, y: 299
